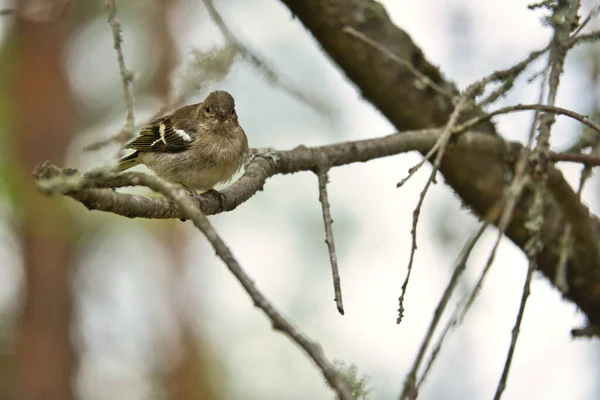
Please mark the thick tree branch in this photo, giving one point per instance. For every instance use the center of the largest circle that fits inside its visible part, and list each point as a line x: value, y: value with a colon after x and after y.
x: 94, y: 190
x: 477, y: 179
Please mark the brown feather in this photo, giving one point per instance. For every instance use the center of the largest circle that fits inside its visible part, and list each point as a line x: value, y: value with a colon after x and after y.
x: 218, y: 148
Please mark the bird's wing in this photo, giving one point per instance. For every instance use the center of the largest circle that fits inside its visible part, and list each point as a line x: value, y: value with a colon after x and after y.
x: 162, y: 136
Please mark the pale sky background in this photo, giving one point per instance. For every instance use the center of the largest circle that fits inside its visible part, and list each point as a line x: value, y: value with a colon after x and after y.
x: 278, y: 235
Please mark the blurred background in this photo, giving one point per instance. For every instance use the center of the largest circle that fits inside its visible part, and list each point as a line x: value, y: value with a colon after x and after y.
x: 96, y: 306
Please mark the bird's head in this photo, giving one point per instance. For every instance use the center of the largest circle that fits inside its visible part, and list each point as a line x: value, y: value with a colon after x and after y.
x: 219, y: 108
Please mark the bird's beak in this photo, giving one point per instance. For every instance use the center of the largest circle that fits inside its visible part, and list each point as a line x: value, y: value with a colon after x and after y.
x: 221, y: 114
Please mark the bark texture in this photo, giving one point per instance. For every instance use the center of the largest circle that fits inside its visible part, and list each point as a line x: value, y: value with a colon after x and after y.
x: 478, y: 179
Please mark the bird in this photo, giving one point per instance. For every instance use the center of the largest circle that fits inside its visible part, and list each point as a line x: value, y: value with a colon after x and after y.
x: 198, y: 145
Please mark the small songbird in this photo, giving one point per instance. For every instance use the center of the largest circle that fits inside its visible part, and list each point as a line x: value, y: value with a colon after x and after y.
x: 198, y: 145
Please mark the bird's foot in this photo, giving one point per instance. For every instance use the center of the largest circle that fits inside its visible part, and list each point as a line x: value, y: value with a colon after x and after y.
x: 202, y: 196
x: 220, y: 197
x: 193, y: 192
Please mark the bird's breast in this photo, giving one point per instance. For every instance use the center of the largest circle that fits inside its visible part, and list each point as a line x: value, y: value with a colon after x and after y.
x: 219, y: 159
x: 210, y: 159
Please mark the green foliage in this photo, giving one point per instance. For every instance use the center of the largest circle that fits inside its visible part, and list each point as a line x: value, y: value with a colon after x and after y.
x: 358, y: 385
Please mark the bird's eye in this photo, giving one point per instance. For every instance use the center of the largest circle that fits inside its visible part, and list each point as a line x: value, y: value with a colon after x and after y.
x: 233, y: 112
x: 207, y: 108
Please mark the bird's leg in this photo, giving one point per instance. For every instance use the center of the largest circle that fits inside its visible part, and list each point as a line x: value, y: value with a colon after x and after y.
x: 210, y: 192
x: 219, y: 196
x: 192, y: 192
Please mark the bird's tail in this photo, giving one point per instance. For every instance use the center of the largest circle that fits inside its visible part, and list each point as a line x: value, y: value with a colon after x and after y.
x: 129, y: 161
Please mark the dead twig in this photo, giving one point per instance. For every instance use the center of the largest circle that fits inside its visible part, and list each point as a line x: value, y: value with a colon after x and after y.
x: 564, y: 16
x: 584, y: 119
x: 271, y: 74
x: 441, y: 146
x: 328, y: 221
x: 439, y: 310
x: 126, y: 75
x: 190, y: 210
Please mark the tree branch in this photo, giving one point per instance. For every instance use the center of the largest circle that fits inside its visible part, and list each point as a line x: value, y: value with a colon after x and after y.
x: 93, y: 189
x: 126, y: 75
x: 70, y: 180
x: 477, y: 179
x: 328, y: 221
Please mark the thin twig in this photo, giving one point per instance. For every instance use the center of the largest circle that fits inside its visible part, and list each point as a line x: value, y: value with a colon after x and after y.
x: 7, y: 11
x: 516, y: 329
x: 270, y: 73
x: 592, y: 14
x: 328, y: 221
x: 587, y: 332
x: 167, y: 62
x: 566, y: 241
x: 411, y: 387
x: 511, y: 196
x: 477, y: 87
x: 275, y: 162
x: 589, y: 160
x: 179, y: 101
x: 442, y: 142
x: 584, y: 119
x: 190, y: 210
x: 312, y: 349
x: 126, y: 75
x: 425, y: 80
x: 453, y: 321
x: 508, y: 77
x: 592, y: 36
x: 535, y: 219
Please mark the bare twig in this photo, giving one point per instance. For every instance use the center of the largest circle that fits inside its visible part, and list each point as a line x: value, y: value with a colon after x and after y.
x: 441, y: 144
x: 312, y: 349
x: 589, y: 160
x: 566, y: 241
x: 328, y: 221
x: 307, y: 159
x: 453, y: 321
x: 118, y: 137
x: 527, y: 107
x: 7, y: 12
x: 424, y: 79
x: 563, y: 18
x: 515, y: 330
x: 587, y: 332
x: 270, y: 73
x: 411, y: 387
x: 190, y: 210
x: 592, y: 14
x: 512, y: 195
x: 413, y: 247
x: 586, y: 38
x: 503, y: 75
x: 167, y: 63
x: 508, y: 76
x: 51, y: 180
x: 126, y: 75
